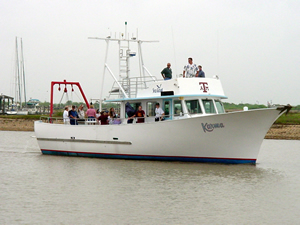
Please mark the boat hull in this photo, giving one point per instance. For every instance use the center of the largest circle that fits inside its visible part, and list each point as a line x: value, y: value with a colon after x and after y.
x: 17, y: 112
x: 220, y: 138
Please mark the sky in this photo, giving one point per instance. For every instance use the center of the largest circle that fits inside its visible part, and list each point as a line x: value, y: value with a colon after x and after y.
x: 252, y: 45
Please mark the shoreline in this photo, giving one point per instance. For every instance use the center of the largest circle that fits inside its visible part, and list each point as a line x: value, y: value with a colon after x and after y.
x: 277, y: 131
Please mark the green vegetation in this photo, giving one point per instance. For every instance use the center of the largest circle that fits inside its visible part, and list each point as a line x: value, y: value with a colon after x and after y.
x: 292, y: 118
x: 26, y: 117
x: 289, y: 119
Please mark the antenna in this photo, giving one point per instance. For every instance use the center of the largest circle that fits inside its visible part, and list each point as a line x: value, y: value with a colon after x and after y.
x: 125, y: 30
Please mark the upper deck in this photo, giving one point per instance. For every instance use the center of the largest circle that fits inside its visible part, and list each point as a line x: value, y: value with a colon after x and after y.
x: 177, y: 87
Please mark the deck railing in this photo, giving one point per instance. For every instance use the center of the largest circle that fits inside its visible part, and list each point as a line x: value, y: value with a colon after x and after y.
x: 116, y: 121
x: 131, y: 86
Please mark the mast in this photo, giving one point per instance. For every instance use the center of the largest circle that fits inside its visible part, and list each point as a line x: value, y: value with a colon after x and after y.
x: 18, y: 73
x: 23, y: 71
x: 123, y: 84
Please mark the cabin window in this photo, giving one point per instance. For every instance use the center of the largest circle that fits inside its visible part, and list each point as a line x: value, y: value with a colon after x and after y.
x: 167, y: 109
x: 209, y: 106
x: 177, y: 107
x: 134, y: 105
x: 151, y: 108
x: 193, y: 106
x: 219, y: 106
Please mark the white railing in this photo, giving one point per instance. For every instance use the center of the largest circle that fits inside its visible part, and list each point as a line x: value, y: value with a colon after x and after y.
x: 115, y: 121
x: 130, y: 86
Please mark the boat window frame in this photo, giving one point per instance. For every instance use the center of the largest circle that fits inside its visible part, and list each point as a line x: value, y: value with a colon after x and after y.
x: 181, y: 110
x: 134, y: 105
x: 168, y: 116
x: 222, y: 106
x: 213, y: 104
x: 154, y: 107
x: 187, y: 108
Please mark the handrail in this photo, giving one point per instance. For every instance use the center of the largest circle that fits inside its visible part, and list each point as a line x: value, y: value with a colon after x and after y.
x: 59, y: 120
x: 131, y: 85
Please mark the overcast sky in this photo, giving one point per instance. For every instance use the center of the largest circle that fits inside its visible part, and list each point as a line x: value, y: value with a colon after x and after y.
x: 253, y: 46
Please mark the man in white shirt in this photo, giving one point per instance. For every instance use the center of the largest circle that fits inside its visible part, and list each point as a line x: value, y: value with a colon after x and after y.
x: 66, y: 116
x: 159, y: 113
x: 191, y: 69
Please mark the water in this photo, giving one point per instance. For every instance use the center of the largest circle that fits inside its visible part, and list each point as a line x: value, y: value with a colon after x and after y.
x: 40, y: 189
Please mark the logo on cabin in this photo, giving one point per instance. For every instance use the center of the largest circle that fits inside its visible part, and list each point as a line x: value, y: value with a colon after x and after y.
x: 209, y: 127
x: 158, y: 89
x: 203, y: 86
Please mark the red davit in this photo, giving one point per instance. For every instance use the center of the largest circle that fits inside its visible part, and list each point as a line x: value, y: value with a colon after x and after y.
x: 65, y: 90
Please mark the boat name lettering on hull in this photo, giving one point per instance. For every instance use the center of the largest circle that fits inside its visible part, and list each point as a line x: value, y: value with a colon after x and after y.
x: 158, y: 89
x: 209, y: 127
x: 204, y: 86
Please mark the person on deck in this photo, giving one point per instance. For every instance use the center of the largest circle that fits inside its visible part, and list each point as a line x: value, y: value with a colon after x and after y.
x: 140, y: 114
x: 103, y: 118
x: 159, y: 113
x: 111, y: 115
x: 97, y: 113
x: 167, y: 72
x: 190, y: 70
x: 130, y: 111
x: 81, y: 115
x: 73, y: 116
x: 200, y: 72
x: 91, y: 113
x: 66, y: 116
x: 97, y: 116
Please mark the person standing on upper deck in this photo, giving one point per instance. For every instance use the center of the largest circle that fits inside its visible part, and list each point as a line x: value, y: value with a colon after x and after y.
x: 167, y: 72
x: 190, y: 70
x: 201, y: 72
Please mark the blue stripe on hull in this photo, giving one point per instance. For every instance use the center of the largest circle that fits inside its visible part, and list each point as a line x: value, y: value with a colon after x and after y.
x: 159, y: 158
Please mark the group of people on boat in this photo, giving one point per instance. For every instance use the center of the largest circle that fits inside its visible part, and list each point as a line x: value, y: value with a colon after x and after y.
x: 190, y: 70
x: 141, y: 115
x: 75, y: 117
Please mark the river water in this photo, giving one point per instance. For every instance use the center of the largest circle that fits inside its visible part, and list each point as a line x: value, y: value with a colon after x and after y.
x: 41, y: 189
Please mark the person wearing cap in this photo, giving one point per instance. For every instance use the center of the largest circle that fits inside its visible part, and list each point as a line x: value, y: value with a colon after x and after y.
x: 200, y: 72
x: 73, y: 116
x: 167, y: 72
x: 66, y: 116
x: 190, y: 70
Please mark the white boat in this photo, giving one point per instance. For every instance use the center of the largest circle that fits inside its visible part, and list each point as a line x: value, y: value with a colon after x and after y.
x: 16, y: 110
x: 196, y: 127
x: 11, y: 112
x: 22, y: 112
x: 32, y: 106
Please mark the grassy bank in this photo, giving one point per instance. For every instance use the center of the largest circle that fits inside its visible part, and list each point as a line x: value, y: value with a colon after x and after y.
x: 289, y: 119
x: 24, y: 117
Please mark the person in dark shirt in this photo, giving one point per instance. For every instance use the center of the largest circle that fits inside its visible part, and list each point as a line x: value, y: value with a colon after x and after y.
x: 73, y: 116
x: 167, y: 72
x: 200, y: 72
x: 103, y: 118
x: 141, y: 115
